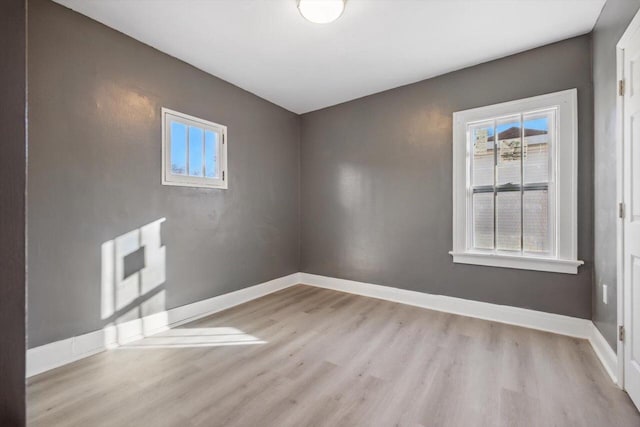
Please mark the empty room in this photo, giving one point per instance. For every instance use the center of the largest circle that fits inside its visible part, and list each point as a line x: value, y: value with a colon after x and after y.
x: 272, y: 213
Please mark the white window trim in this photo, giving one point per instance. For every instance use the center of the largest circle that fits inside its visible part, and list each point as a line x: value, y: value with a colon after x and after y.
x: 193, y: 181
x: 566, y: 209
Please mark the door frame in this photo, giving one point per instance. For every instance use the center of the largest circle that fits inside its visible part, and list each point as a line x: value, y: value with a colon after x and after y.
x: 620, y: 173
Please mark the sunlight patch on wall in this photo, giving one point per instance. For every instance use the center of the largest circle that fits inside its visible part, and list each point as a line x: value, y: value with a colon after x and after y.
x: 130, y: 295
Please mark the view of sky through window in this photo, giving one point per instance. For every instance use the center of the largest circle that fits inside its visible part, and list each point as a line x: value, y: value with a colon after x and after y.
x: 194, y: 150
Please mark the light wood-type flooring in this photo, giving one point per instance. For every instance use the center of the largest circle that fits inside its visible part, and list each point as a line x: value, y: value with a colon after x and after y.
x: 307, y: 356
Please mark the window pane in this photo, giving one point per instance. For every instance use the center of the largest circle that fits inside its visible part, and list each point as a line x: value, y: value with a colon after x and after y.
x: 536, y: 221
x: 483, y: 220
x: 508, y: 221
x: 482, y: 146
x: 538, y: 131
x: 509, y: 151
x: 211, y: 154
x: 178, y: 148
x: 195, y: 151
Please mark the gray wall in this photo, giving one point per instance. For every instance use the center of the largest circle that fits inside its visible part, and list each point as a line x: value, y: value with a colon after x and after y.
x: 372, y: 177
x: 12, y: 211
x: 615, y: 18
x: 94, y: 173
x: 377, y: 186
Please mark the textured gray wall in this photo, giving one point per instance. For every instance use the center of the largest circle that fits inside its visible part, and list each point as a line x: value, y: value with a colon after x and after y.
x: 375, y: 178
x: 614, y: 19
x: 95, y: 153
x: 376, y: 183
x: 12, y: 211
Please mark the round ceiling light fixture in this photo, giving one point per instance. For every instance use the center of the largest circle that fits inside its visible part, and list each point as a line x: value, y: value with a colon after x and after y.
x: 321, y: 11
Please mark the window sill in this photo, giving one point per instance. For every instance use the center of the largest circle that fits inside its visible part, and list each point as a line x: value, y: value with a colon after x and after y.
x: 221, y: 185
x: 519, y: 262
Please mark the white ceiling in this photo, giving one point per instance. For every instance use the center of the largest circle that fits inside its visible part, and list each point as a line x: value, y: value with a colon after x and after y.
x: 267, y: 48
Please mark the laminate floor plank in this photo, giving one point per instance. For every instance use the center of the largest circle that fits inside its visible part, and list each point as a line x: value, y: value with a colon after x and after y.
x: 306, y: 356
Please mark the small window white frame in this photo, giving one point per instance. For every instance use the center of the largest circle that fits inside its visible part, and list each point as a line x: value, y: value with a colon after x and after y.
x: 168, y: 178
x: 565, y: 167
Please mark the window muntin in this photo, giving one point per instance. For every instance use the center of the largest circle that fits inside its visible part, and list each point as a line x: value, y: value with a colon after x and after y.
x: 511, y: 174
x: 194, y: 151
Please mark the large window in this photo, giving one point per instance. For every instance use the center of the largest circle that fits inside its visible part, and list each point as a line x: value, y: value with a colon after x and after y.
x: 515, y: 179
x: 194, y: 151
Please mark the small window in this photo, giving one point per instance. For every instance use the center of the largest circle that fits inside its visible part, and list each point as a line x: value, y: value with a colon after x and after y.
x: 515, y: 181
x: 194, y: 151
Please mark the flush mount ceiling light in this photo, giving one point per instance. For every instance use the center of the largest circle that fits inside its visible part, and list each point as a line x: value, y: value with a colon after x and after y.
x: 321, y: 11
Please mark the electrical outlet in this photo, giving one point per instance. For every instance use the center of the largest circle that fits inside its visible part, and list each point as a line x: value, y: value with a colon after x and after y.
x: 605, y: 293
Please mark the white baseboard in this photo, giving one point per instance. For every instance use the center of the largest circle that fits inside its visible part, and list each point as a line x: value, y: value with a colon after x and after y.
x: 605, y: 353
x: 556, y: 323
x: 53, y: 355
x: 59, y: 353
x: 549, y: 322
